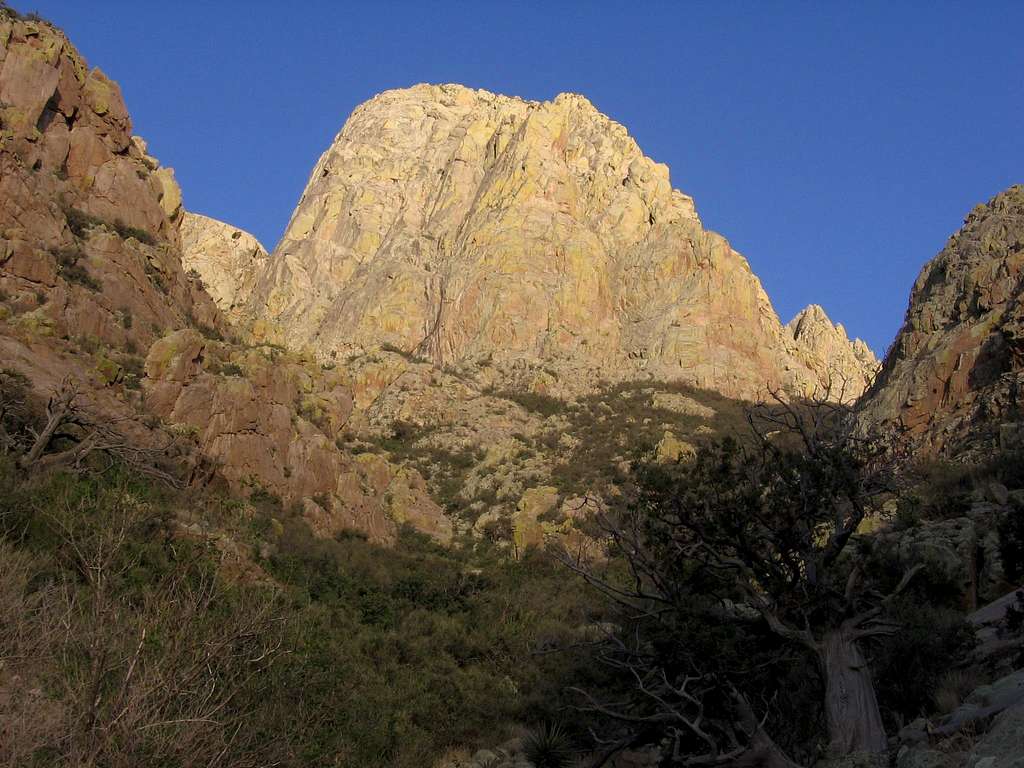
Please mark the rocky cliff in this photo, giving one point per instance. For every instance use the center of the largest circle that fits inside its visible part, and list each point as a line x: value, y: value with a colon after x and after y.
x: 88, y: 220
x: 954, y: 377
x: 460, y: 225
x: 847, y: 367
x: 93, y: 288
x: 227, y: 259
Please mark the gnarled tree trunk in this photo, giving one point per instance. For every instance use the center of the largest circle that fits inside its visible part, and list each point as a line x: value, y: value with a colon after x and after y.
x: 851, y: 708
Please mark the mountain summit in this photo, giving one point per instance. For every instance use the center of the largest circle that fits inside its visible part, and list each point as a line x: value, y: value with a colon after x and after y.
x: 954, y: 374
x: 463, y: 226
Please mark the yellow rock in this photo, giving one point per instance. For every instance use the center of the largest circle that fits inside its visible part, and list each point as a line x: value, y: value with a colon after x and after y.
x: 228, y: 260
x: 527, y: 528
x: 459, y: 222
x: 170, y: 192
x: 670, y: 449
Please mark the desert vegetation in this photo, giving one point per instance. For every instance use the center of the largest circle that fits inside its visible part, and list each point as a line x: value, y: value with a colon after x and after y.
x: 151, y: 624
x: 748, y: 602
x: 145, y: 624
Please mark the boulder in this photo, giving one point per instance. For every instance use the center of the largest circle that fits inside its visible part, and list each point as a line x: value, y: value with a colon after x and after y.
x: 1003, y: 745
x: 528, y: 530
x: 671, y: 449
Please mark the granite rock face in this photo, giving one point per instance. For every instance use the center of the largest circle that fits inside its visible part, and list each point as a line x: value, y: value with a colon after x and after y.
x: 88, y: 220
x: 460, y: 225
x: 94, y: 286
x: 954, y: 377
x: 228, y: 259
x: 264, y: 419
x: 848, y: 366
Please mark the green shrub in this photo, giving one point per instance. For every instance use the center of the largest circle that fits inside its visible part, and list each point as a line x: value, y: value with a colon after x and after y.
x: 267, y: 501
x: 134, y: 368
x: 69, y: 268
x: 80, y: 222
x: 157, y: 279
x: 549, y: 746
x: 208, y: 332
x: 910, y: 665
x: 125, y: 231
x: 1006, y: 467
x: 534, y: 402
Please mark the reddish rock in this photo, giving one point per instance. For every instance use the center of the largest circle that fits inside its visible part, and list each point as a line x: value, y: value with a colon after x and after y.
x: 954, y: 377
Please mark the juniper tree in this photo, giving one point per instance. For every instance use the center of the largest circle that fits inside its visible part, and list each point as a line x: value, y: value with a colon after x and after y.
x: 760, y: 529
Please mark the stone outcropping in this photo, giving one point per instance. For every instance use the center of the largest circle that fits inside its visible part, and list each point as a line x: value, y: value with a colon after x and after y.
x: 88, y: 220
x: 954, y: 377
x: 459, y: 225
x: 848, y: 366
x: 228, y: 259
x: 93, y: 288
x: 265, y: 421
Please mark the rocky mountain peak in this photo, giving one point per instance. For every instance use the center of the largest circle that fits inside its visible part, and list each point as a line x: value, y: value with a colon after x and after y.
x: 227, y: 258
x: 954, y: 374
x: 461, y: 225
x: 848, y: 365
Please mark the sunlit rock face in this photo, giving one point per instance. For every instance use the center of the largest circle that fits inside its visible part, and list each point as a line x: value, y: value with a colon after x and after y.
x: 95, y: 288
x: 954, y: 377
x: 88, y: 219
x: 847, y: 367
x: 461, y: 225
x: 228, y: 259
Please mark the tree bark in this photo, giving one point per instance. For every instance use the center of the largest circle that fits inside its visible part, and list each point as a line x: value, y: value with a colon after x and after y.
x: 851, y: 708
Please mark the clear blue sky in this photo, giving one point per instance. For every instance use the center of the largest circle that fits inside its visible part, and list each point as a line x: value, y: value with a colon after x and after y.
x: 837, y: 145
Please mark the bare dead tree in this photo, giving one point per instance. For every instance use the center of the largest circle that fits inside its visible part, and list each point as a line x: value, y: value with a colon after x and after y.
x: 706, y: 719
x: 59, y: 413
x: 87, y: 436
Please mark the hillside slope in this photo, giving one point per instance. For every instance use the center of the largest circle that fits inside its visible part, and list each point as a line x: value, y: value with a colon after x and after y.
x: 93, y: 290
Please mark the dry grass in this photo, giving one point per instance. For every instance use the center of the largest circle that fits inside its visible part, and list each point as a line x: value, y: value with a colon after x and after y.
x: 28, y: 623
x: 95, y: 672
x: 953, y: 687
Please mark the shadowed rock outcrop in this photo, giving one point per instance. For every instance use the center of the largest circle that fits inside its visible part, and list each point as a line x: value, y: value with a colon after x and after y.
x: 954, y: 375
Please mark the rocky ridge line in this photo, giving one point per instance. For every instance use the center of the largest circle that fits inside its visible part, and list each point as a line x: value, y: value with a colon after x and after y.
x: 535, y: 237
x: 954, y: 376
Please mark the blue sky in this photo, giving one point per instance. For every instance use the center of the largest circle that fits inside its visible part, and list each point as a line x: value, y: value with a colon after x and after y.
x: 836, y: 145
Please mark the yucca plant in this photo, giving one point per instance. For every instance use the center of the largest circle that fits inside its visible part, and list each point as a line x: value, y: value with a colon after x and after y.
x: 548, y: 746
